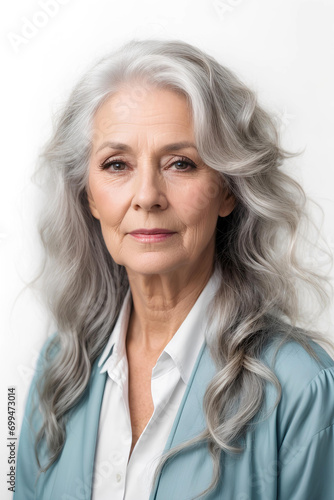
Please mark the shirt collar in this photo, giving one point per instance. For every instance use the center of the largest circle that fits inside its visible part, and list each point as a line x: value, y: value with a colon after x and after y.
x: 185, y: 345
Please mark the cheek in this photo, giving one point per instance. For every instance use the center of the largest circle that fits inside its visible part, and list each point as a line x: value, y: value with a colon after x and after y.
x: 109, y: 203
x: 198, y: 203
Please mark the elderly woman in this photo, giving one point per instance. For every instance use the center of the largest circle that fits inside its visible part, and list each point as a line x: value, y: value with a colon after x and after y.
x: 178, y: 370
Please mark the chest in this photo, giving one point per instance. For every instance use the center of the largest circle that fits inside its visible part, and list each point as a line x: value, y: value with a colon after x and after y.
x: 141, y: 405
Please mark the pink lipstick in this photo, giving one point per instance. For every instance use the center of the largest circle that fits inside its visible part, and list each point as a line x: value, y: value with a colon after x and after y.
x: 151, y: 235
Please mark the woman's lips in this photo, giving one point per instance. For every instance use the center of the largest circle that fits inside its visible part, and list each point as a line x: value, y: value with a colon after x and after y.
x: 151, y: 237
x: 153, y: 230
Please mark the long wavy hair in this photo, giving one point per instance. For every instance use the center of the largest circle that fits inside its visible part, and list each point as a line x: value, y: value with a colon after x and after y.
x: 256, y: 252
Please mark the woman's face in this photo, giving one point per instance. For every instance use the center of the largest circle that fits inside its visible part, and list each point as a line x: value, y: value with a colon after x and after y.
x: 142, y: 177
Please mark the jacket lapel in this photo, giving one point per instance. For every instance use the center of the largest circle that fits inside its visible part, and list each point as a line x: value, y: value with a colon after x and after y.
x: 189, y: 422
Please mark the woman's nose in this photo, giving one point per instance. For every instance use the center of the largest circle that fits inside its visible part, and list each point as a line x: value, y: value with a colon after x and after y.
x: 149, y: 188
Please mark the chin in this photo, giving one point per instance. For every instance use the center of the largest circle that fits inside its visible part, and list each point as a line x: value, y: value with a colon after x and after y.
x: 152, y: 265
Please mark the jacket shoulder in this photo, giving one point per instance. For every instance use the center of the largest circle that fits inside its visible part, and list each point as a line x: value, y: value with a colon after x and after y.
x: 305, y: 372
x: 295, y: 363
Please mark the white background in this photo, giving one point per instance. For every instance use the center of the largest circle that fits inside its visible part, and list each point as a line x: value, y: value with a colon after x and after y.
x: 282, y: 49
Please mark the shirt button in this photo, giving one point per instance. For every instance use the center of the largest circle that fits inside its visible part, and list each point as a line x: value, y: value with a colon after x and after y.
x: 118, y: 478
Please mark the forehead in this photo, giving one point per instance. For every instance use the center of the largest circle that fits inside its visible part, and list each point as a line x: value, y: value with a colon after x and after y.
x: 144, y: 106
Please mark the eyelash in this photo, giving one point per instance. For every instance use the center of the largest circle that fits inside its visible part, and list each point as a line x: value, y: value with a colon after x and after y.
x: 183, y: 159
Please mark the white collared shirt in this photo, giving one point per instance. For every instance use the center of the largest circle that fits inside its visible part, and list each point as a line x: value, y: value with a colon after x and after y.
x: 115, y: 476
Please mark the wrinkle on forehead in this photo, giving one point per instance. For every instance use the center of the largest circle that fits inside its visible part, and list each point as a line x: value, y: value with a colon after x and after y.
x: 164, y: 111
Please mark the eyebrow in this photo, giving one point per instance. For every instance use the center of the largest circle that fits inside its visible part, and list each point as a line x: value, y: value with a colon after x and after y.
x: 175, y: 146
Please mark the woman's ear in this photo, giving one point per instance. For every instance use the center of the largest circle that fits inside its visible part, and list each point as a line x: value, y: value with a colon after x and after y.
x: 92, y: 205
x: 228, y: 203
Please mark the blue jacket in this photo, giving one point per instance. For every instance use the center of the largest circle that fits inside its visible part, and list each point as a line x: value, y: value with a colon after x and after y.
x: 287, y: 456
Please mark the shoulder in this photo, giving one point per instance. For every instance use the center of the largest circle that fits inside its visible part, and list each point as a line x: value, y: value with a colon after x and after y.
x: 306, y: 406
x: 296, y: 364
x: 48, y: 350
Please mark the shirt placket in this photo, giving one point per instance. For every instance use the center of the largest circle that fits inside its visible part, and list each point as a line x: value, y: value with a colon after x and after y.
x: 119, y: 455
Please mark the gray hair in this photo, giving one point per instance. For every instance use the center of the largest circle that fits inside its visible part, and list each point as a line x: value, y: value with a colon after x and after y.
x: 256, y: 246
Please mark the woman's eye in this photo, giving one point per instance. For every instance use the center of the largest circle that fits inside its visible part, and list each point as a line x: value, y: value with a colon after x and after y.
x: 183, y: 163
x: 115, y: 165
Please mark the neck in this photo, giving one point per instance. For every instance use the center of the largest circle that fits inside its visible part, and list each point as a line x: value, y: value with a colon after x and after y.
x: 161, y: 303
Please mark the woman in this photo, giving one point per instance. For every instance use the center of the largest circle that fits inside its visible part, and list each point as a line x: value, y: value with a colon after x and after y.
x: 170, y: 230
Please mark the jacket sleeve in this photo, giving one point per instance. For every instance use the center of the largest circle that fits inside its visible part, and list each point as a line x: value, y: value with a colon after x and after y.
x: 306, y: 456
x: 26, y: 465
